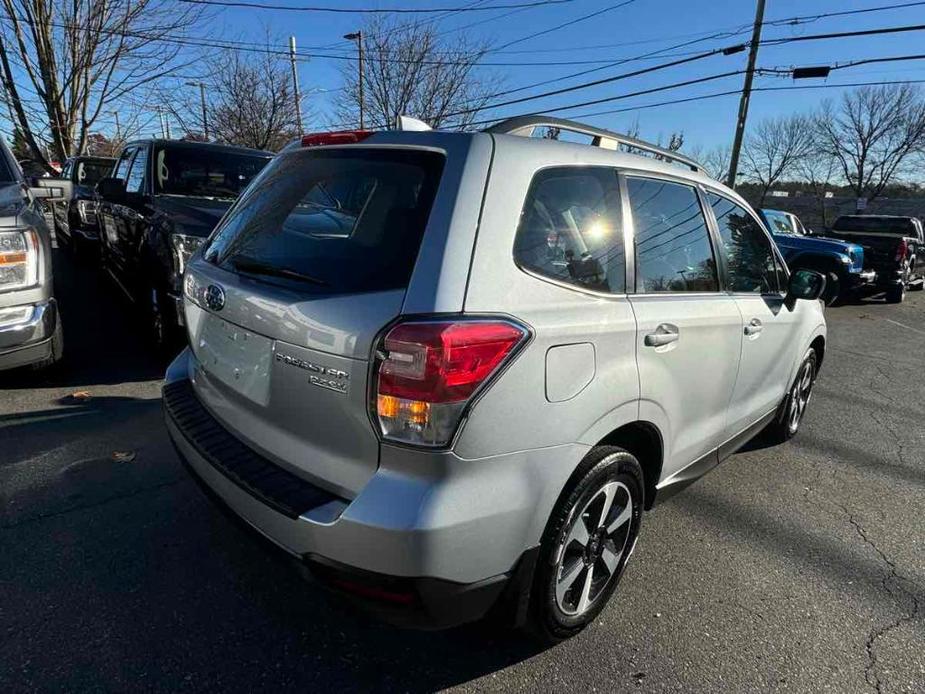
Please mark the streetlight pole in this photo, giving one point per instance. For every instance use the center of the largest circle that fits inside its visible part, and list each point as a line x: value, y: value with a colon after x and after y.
x: 358, y: 37
x: 202, y: 100
x: 295, y: 83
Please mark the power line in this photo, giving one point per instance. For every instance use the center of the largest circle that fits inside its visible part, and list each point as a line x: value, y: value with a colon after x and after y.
x: 699, y: 56
x: 716, y: 95
x: 373, y: 10
x: 652, y: 90
x: 564, y: 24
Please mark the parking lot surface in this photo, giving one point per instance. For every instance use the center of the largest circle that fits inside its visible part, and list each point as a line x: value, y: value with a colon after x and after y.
x: 794, y: 568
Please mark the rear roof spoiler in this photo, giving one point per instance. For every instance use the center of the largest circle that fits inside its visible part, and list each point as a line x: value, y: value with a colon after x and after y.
x: 525, y: 126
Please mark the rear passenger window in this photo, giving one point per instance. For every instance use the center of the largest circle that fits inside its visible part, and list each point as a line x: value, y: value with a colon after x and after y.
x: 749, y: 257
x: 673, y: 249
x: 570, y: 228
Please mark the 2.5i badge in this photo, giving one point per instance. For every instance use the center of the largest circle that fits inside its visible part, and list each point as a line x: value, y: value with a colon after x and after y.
x: 321, y: 376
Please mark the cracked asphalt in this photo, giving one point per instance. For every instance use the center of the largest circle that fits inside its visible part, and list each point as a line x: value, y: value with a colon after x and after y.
x: 795, y: 568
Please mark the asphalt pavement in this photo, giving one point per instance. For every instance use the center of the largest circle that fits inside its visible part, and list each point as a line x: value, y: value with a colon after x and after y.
x: 794, y: 568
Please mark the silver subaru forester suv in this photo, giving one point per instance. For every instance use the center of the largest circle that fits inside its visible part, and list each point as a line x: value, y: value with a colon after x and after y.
x: 449, y: 371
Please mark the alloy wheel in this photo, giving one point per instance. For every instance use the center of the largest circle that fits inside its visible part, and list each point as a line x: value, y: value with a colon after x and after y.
x: 590, y: 554
x: 800, y: 395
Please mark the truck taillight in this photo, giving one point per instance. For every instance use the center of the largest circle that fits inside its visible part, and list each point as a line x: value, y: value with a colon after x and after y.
x: 430, y: 371
x: 902, y: 251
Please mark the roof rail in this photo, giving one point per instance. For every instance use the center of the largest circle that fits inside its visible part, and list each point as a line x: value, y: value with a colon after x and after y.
x: 525, y: 125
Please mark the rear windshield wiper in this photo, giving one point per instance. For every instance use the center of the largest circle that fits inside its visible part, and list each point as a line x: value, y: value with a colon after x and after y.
x: 257, y: 267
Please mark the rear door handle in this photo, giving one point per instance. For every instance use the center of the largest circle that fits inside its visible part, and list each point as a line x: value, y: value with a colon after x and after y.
x: 754, y: 327
x: 664, y: 334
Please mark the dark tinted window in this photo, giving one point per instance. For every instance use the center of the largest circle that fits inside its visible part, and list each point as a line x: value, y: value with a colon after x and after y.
x: 336, y: 220
x: 134, y: 183
x: 570, y: 228
x: 89, y: 171
x: 204, y: 171
x: 673, y: 249
x: 749, y: 258
x: 889, y: 225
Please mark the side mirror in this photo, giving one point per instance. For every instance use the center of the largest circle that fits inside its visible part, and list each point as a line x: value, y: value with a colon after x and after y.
x: 804, y: 284
x: 51, y: 189
x: 112, y: 189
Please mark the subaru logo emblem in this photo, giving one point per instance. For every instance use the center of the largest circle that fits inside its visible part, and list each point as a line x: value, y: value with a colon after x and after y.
x: 215, y: 297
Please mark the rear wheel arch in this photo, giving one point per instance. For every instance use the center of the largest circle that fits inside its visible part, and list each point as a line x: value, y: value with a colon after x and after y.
x: 644, y: 441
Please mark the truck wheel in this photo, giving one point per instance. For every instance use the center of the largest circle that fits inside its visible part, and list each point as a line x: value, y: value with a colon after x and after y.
x: 161, y: 326
x: 57, y: 349
x: 832, y: 288
x: 896, y: 294
x: 588, y: 540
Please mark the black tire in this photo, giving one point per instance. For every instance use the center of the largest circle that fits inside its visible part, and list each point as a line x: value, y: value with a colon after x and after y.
x: 896, y: 294
x: 57, y: 350
x: 832, y: 292
x: 161, y: 326
x: 603, y: 468
x: 784, y: 428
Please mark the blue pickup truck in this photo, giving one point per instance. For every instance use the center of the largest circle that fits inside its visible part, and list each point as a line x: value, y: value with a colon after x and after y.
x: 840, y: 261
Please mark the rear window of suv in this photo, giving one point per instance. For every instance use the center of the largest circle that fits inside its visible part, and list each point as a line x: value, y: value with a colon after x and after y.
x: 333, y: 220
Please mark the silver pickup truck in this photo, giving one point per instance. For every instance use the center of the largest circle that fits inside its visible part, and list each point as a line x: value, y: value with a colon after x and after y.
x: 30, y: 326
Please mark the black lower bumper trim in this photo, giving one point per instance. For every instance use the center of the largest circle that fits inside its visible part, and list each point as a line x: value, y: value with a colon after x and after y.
x: 278, y: 488
x: 417, y: 603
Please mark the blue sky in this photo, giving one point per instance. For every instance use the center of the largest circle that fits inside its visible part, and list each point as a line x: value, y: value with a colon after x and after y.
x: 641, y: 26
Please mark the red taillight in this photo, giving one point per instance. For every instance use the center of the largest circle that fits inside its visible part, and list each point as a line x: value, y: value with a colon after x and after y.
x: 903, y: 251
x: 430, y: 371
x: 340, y: 137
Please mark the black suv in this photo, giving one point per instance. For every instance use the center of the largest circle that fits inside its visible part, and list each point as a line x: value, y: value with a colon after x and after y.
x: 76, y: 226
x: 162, y: 200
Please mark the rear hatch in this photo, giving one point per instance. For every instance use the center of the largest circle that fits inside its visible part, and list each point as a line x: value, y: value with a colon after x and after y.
x: 291, y: 292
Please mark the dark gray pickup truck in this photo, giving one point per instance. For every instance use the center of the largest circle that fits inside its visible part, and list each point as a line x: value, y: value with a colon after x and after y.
x: 894, y: 247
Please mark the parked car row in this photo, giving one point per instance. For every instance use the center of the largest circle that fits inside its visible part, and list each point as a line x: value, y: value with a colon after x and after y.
x: 861, y: 254
x: 147, y: 211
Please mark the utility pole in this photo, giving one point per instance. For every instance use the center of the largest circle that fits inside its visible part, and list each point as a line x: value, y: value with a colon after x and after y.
x: 295, y: 83
x: 118, y: 129
x: 358, y: 37
x: 746, y: 95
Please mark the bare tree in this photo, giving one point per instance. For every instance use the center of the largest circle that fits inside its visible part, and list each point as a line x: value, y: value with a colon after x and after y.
x: 819, y: 169
x: 873, y: 133
x: 250, y: 102
x: 64, y: 63
x: 408, y: 69
x: 715, y: 161
x: 775, y: 147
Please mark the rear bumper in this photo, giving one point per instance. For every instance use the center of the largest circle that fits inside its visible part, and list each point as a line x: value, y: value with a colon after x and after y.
x: 29, y: 341
x: 431, y: 541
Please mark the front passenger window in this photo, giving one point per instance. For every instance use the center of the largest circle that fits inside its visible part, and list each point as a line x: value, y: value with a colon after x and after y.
x: 570, y: 228
x: 749, y: 256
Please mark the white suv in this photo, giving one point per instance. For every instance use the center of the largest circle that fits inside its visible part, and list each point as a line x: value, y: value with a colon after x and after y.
x: 449, y: 371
